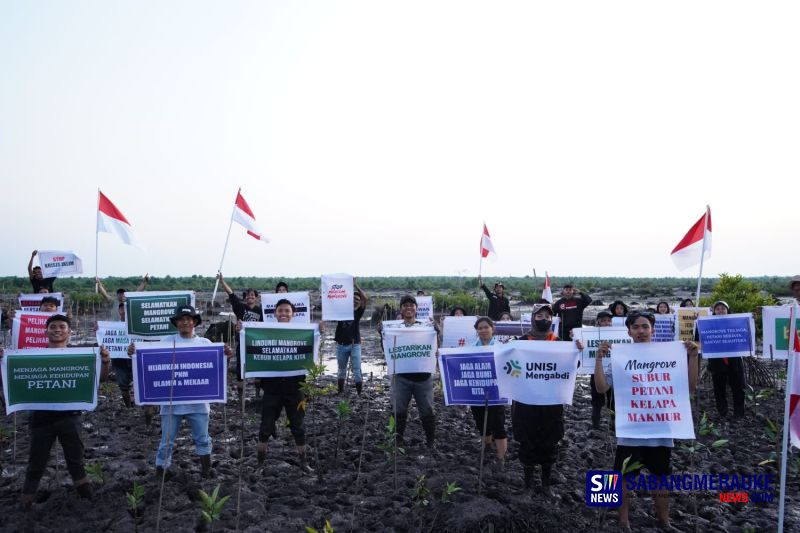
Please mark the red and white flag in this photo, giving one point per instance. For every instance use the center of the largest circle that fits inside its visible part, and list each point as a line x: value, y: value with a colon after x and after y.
x: 547, y: 294
x: 695, y: 244
x: 794, y: 396
x: 111, y: 220
x: 486, y: 243
x: 244, y: 216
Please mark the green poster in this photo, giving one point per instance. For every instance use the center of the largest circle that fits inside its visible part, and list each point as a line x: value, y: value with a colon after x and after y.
x: 782, y: 333
x: 278, y: 351
x: 147, y: 314
x: 50, y: 379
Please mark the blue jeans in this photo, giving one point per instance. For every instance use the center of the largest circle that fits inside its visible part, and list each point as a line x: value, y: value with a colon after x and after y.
x: 352, y: 351
x: 202, y: 440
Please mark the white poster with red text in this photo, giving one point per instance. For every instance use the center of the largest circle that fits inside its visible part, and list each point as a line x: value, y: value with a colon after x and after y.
x: 29, y: 330
x: 336, y: 293
x: 32, y: 302
x: 651, y: 391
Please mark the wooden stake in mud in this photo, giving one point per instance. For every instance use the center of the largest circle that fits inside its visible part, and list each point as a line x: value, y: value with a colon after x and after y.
x: 241, y: 455
x: 361, y: 453
x: 483, y: 439
x: 394, y: 408
x: 169, y: 440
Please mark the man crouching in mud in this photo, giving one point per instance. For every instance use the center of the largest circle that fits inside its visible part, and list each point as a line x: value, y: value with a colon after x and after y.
x: 654, y: 454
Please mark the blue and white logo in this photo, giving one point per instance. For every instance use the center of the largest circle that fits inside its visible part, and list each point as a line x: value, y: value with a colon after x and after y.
x: 603, y: 488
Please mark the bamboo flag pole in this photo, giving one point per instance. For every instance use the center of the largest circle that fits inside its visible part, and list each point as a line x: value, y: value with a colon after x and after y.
x: 96, y: 243
x: 786, y: 421
x: 224, y: 249
x: 702, y: 255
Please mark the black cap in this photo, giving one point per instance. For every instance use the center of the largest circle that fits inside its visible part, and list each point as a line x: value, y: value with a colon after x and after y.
x: 186, y: 310
x: 604, y: 313
x: 406, y: 299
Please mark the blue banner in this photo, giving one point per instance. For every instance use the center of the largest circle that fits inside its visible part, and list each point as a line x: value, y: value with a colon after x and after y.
x: 469, y: 376
x: 165, y: 373
x: 726, y: 335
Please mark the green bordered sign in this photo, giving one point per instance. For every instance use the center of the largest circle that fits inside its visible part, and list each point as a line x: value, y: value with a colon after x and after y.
x: 278, y: 349
x: 147, y: 314
x: 43, y: 379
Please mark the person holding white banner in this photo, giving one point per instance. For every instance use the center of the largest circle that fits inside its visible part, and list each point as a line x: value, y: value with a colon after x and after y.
x: 539, y: 428
x: 418, y: 385
x: 599, y: 400
x: 653, y: 453
x: 496, y: 418
x: 38, y: 282
x: 348, y: 342
x: 47, y: 426
x: 727, y: 371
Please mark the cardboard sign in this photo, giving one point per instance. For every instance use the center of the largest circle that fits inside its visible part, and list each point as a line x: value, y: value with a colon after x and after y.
x: 469, y: 376
x: 167, y: 373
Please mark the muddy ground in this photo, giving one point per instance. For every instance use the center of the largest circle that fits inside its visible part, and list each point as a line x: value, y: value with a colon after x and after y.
x: 279, y: 497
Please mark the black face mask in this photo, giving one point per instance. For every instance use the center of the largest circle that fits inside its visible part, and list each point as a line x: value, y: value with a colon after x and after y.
x: 543, y: 325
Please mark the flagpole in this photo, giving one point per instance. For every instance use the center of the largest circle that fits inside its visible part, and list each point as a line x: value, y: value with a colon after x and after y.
x: 224, y: 249
x: 786, y: 421
x: 702, y: 256
x: 96, y: 241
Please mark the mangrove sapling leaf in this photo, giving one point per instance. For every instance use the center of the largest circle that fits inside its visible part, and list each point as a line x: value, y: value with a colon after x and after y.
x: 95, y: 473
x: 628, y: 466
x: 211, y: 506
x: 448, y: 491
x: 135, y: 499
x: 719, y: 443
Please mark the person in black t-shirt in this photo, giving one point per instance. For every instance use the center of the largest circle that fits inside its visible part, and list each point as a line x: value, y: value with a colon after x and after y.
x: 348, y: 341
x: 570, y: 309
x: 37, y: 281
x: 498, y: 303
x: 247, y: 311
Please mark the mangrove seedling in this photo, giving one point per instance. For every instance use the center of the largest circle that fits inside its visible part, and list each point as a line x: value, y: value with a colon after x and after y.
x: 211, y: 506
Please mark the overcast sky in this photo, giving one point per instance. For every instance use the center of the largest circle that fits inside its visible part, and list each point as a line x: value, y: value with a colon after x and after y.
x: 374, y: 138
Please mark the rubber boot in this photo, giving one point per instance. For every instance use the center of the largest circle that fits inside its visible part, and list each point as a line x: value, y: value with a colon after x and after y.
x: 359, y: 387
x: 546, y: 472
x: 126, y: 399
x: 596, y: 409
x: 205, y: 463
x: 340, y: 385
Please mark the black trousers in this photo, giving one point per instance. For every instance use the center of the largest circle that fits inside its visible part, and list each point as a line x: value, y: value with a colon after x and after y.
x: 45, y: 428
x: 601, y: 399
x: 728, y: 375
x: 537, y: 428
x: 280, y: 394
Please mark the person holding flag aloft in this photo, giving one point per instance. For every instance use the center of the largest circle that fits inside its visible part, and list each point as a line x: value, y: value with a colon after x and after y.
x: 498, y: 303
x: 654, y: 454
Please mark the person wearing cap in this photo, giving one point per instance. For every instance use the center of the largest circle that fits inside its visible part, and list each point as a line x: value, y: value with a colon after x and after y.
x: 47, y: 426
x: 283, y: 393
x: 653, y: 453
x: 794, y: 286
x: 538, y: 428
x: 599, y: 400
x: 570, y: 309
x: 727, y: 371
x: 498, y: 303
x: 186, y: 319
x: 418, y: 385
x: 38, y: 282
